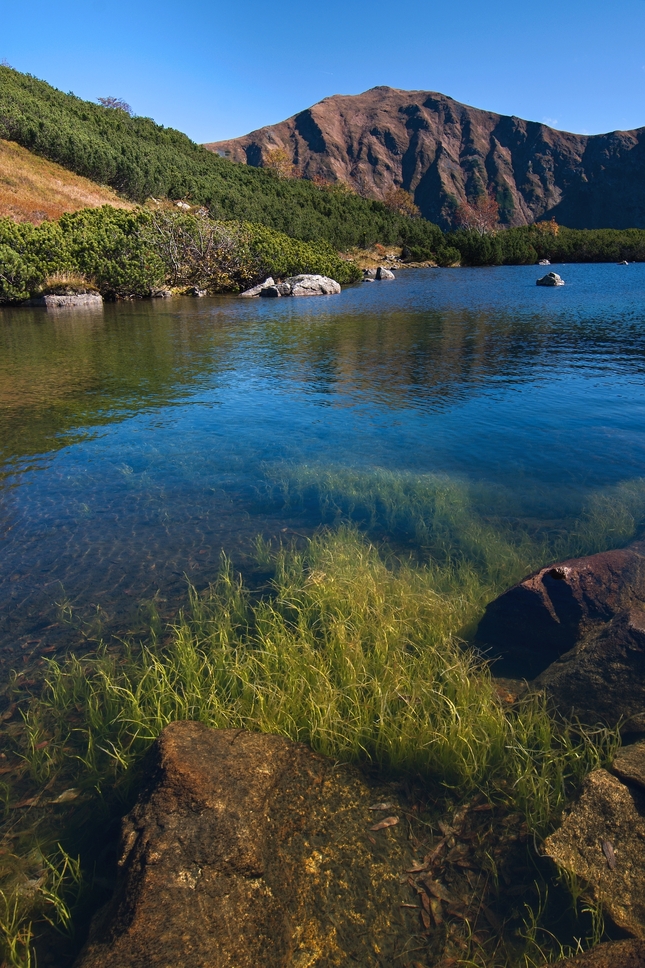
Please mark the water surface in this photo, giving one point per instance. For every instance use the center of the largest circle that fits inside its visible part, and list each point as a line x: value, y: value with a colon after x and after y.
x: 135, y: 443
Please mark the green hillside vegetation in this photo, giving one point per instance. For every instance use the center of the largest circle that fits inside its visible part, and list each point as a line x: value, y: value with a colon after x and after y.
x: 141, y: 159
x: 125, y: 254
x: 528, y: 244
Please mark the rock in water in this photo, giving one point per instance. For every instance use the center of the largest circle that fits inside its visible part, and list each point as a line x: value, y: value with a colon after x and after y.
x: 548, y: 613
x: 246, y: 850
x: 81, y: 300
x: 601, y: 841
x: 550, y: 279
x: 611, y: 954
x: 603, y: 678
x: 369, y: 275
x: 383, y: 273
x: 312, y: 285
x: 256, y: 290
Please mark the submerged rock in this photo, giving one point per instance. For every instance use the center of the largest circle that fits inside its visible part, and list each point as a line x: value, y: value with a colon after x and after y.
x: 602, y: 841
x: 603, y: 678
x: 629, y: 764
x: 550, y: 279
x: 611, y: 954
x: 548, y: 613
x: 246, y: 849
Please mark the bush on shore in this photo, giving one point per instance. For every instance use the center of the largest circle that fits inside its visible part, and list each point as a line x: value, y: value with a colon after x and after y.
x: 129, y: 254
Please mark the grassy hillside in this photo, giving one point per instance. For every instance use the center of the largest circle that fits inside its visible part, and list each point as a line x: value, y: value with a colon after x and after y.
x: 139, y: 159
x: 33, y: 189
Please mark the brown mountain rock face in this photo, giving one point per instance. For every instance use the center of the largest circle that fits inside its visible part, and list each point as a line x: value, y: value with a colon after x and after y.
x: 444, y: 152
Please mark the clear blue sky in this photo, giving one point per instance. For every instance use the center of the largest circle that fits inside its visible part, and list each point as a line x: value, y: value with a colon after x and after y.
x: 217, y: 70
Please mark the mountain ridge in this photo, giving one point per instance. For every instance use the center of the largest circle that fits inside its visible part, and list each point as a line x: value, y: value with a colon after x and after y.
x: 446, y: 153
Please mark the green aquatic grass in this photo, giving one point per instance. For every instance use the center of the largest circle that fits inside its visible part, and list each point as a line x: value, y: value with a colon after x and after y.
x: 349, y: 653
x: 350, y: 648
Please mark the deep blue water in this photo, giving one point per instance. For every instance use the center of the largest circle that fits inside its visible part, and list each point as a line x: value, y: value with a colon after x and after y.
x: 135, y: 443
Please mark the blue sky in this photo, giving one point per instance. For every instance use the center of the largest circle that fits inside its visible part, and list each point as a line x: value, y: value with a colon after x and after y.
x: 217, y: 70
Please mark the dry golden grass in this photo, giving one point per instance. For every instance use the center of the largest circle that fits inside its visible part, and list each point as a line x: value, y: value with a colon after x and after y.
x: 33, y: 189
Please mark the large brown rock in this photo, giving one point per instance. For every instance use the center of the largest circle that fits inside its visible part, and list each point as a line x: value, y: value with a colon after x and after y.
x: 444, y: 152
x: 613, y: 954
x: 602, y: 841
x: 603, y: 678
x: 247, y: 850
x: 548, y: 613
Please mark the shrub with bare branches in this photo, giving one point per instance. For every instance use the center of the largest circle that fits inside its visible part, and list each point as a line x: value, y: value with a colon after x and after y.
x: 481, y: 216
x: 198, y: 251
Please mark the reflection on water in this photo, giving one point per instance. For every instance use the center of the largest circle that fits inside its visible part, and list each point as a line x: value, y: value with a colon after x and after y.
x: 134, y: 444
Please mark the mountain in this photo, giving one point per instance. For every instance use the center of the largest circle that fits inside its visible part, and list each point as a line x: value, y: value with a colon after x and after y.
x: 444, y: 153
x: 138, y: 159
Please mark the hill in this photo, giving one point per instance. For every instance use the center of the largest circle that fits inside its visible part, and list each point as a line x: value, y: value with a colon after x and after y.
x: 33, y: 189
x: 444, y: 153
x: 139, y: 159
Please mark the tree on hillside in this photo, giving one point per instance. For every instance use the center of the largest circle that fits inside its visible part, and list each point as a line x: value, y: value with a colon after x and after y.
x: 481, y: 216
x: 398, y: 200
x: 279, y: 161
x: 115, y: 103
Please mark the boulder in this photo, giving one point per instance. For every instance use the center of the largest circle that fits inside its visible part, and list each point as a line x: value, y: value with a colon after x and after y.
x: 629, y: 764
x: 195, y: 291
x: 256, y: 290
x: 550, y: 279
x: 369, y: 275
x: 246, y: 849
x: 270, y: 292
x: 603, y: 678
x: 548, y: 613
x: 383, y: 273
x: 312, y: 285
x: 81, y: 300
x: 611, y: 954
x: 602, y: 841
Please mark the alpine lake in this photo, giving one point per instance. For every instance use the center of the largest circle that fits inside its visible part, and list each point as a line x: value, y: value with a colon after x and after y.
x: 465, y: 420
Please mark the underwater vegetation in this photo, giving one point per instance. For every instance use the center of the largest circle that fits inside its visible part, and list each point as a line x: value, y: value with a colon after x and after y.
x: 354, y: 645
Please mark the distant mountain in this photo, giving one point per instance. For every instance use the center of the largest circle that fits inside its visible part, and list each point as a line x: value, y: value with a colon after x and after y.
x: 444, y: 152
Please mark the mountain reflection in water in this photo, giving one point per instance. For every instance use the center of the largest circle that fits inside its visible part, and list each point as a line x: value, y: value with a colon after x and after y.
x: 136, y: 444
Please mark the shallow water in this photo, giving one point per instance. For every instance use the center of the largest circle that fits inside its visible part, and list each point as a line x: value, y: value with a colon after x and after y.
x: 135, y: 442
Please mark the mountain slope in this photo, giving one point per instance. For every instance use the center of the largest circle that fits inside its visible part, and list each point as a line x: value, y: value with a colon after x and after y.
x: 33, y: 189
x: 444, y: 152
x: 139, y: 158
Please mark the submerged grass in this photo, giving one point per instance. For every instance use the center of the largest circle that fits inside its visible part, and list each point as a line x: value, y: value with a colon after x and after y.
x: 349, y: 649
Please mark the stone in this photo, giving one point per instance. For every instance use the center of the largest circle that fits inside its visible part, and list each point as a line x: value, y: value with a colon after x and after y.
x: 369, y: 275
x: 603, y: 678
x: 246, y: 849
x: 195, y: 291
x: 270, y: 292
x: 383, y: 273
x: 602, y: 841
x: 629, y: 764
x: 544, y: 262
x: 160, y: 294
x: 610, y: 954
x: 313, y: 285
x: 549, y: 612
x: 81, y: 300
x: 256, y: 290
x: 550, y: 279
x: 183, y: 205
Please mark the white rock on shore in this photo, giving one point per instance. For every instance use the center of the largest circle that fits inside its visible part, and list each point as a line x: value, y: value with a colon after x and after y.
x: 303, y: 285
